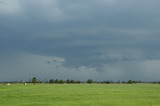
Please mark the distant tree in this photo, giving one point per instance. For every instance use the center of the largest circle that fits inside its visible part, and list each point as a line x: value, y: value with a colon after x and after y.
x: 158, y: 82
x: 108, y: 82
x: 56, y: 81
x: 72, y: 81
x: 90, y: 81
x: 130, y: 82
x: 68, y: 81
x: 118, y: 81
x: 134, y: 81
x: 154, y: 82
x: 78, y: 82
x: 123, y: 82
x: 51, y: 81
x: 61, y: 81
x: 34, y: 80
x: 139, y: 81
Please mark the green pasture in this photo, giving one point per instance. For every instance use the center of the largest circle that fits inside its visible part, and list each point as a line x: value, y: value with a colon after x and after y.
x: 80, y: 95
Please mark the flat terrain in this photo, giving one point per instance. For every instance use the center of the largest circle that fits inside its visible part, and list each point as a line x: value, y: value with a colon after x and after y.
x: 80, y: 95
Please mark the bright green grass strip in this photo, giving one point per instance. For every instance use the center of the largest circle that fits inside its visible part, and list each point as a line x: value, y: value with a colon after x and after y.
x: 80, y: 95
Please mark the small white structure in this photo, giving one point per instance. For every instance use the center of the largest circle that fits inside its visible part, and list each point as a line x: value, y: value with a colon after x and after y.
x: 8, y: 84
x: 25, y: 83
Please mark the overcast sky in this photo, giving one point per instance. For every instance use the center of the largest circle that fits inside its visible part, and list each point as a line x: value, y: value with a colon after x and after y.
x: 80, y: 39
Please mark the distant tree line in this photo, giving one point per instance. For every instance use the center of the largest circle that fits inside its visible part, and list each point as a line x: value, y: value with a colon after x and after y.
x: 34, y: 80
x: 122, y: 82
x: 57, y: 81
x: 64, y: 81
x: 129, y: 82
x: 90, y: 81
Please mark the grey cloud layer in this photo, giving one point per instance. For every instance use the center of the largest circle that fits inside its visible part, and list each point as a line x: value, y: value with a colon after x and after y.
x: 90, y: 33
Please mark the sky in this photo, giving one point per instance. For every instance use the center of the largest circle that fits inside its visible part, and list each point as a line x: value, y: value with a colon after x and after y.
x: 80, y: 39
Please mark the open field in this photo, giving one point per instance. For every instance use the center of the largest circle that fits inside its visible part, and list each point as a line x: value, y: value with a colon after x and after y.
x: 80, y: 95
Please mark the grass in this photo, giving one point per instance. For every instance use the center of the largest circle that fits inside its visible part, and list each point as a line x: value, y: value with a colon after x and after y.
x: 80, y: 95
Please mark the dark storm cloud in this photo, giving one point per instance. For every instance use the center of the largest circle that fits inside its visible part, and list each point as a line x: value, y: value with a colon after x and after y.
x: 88, y: 33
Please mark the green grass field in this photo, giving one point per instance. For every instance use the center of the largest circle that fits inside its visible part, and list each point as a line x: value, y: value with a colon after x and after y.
x: 80, y: 95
